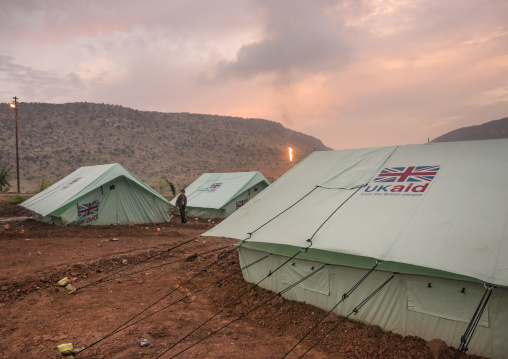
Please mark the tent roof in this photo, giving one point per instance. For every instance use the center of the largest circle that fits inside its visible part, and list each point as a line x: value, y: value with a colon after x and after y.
x: 200, y: 195
x: 458, y: 223
x: 55, y: 199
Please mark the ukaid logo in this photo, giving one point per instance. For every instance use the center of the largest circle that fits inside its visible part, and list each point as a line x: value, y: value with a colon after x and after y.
x: 67, y: 185
x: 213, y: 187
x: 88, y: 212
x: 402, y: 181
x: 241, y: 203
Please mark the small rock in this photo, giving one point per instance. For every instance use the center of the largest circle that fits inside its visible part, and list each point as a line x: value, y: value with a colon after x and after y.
x: 437, y: 346
x: 277, y: 302
x: 124, y: 262
x: 119, y: 280
x: 104, y: 240
x: 144, y: 343
x: 376, y: 331
x: 114, y: 239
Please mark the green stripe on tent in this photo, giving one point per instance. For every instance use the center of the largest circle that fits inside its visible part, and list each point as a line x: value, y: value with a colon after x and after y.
x: 349, y: 260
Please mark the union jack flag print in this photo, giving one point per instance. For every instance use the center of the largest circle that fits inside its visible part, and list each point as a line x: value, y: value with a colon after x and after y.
x: 241, y: 203
x: 88, y: 209
x: 408, y: 174
x: 213, y: 187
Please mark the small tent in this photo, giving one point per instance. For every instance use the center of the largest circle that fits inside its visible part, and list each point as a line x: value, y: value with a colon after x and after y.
x: 217, y: 195
x: 95, y: 195
x: 436, y: 214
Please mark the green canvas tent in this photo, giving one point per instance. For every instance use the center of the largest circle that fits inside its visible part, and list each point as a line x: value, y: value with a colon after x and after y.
x: 217, y: 195
x: 102, y: 194
x: 437, y: 214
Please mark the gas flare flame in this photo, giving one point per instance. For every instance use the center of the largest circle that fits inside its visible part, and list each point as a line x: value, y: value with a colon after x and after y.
x: 290, y: 154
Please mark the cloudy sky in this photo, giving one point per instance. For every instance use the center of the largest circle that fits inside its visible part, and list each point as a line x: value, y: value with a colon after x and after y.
x: 354, y: 73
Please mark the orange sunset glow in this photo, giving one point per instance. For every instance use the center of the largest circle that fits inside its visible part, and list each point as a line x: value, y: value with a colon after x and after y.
x: 352, y: 74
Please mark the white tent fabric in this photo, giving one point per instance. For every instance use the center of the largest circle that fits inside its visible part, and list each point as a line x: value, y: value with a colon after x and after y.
x: 456, y: 221
x: 102, y: 194
x: 407, y: 306
x: 437, y: 214
x: 215, y: 195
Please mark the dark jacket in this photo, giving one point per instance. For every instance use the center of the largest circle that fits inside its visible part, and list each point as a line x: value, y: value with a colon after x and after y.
x: 181, y: 201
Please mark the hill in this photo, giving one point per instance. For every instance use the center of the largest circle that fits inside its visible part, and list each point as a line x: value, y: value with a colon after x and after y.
x: 487, y: 131
x: 56, y: 139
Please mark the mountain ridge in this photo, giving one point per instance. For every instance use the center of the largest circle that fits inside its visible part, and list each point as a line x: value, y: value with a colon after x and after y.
x: 486, y: 131
x: 56, y: 139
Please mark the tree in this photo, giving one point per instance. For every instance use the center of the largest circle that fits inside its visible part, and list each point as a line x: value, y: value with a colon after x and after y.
x: 5, y: 176
x: 161, y: 185
x: 43, y: 184
x: 171, y: 185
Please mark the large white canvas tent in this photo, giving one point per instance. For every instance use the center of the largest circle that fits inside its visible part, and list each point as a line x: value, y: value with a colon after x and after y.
x: 94, y: 195
x: 217, y: 195
x: 437, y: 214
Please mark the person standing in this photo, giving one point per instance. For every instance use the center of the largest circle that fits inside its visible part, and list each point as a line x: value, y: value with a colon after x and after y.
x: 181, y: 203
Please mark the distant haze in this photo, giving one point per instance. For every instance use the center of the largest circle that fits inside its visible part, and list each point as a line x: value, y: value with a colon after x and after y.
x: 353, y: 73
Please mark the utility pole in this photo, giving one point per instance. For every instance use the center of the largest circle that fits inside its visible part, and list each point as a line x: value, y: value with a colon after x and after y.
x: 15, y: 107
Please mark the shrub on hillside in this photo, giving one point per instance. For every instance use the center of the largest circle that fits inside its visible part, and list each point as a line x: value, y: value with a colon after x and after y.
x: 17, y: 199
x: 5, y: 176
x: 42, y: 185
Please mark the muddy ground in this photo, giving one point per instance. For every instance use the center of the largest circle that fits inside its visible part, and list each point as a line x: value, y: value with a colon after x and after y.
x: 36, y: 314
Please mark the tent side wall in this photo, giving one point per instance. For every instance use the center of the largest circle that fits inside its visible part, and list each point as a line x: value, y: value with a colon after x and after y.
x: 118, y: 201
x: 204, y: 212
x: 407, y: 305
x: 140, y: 206
x: 245, y: 196
x: 230, y: 207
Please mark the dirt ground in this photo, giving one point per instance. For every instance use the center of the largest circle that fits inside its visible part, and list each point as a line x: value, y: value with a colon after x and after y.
x: 36, y: 314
